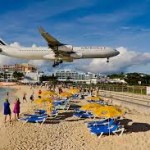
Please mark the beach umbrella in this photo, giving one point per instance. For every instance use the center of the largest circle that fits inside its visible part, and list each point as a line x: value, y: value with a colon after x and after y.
x: 73, y: 91
x: 91, y: 107
x: 43, y: 100
x: 65, y: 94
x: 48, y: 93
x: 38, y: 101
x: 47, y: 100
x: 108, y: 112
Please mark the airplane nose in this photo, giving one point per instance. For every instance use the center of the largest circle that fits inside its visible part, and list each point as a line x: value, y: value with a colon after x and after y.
x: 116, y: 52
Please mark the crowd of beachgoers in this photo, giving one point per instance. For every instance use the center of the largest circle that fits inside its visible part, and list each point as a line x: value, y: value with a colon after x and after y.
x: 69, y: 118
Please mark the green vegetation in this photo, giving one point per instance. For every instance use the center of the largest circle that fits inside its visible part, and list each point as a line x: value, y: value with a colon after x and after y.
x: 119, y: 75
x: 18, y: 75
x: 133, y: 78
x: 52, y: 79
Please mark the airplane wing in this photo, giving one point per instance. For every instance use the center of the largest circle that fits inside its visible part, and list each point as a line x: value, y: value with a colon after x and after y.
x: 52, y: 42
x: 60, y: 49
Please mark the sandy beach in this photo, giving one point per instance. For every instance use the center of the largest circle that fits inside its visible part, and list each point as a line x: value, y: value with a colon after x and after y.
x: 69, y: 133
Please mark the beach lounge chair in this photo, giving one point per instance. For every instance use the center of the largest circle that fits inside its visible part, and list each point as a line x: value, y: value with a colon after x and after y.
x: 83, y: 114
x: 106, y: 129
x: 107, y: 122
x: 40, y: 111
x: 100, y: 122
x: 64, y: 106
x: 54, y: 114
x: 34, y: 119
x: 75, y: 96
x: 59, y: 102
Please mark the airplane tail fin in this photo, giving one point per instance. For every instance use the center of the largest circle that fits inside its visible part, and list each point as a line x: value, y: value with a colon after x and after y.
x: 2, y: 42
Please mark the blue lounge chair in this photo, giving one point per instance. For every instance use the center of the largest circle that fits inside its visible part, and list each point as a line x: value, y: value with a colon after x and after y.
x: 100, y: 122
x: 107, y: 122
x: 54, y: 114
x: 59, y: 102
x: 106, y: 129
x: 83, y: 114
x: 64, y: 106
x: 75, y: 96
x: 40, y: 111
x: 34, y: 119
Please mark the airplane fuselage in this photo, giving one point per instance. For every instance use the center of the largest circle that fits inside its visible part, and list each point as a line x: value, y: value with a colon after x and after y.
x: 45, y: 53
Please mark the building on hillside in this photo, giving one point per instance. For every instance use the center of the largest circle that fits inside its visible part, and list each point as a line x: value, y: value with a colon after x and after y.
x: 76, y: 76
x: 18, y: 67
x: 6, y: 71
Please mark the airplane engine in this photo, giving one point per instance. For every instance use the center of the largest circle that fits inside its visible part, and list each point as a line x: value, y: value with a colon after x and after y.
x: 65, y: 48
x: 76, y: 55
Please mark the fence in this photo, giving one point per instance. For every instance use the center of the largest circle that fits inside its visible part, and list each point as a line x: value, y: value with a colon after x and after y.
x: 130, y: 89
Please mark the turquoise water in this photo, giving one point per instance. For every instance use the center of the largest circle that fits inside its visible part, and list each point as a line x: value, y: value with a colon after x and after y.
x: 3, y: 92
x: 3, y: 95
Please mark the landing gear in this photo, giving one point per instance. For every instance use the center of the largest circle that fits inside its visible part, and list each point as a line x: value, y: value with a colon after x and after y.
x: 61, y: 61
x: 56, y: 63
x: 107, y: 60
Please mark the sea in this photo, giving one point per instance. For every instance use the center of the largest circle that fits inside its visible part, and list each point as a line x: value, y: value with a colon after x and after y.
x: 3, y: 95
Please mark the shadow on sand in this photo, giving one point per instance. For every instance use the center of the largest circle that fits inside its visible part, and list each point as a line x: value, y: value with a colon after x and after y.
x: 134, y: 126
x: 74, y: 106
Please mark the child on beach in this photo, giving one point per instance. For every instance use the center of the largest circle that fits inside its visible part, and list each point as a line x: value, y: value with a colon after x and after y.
x: 7, y: 111
x: 16, y: 110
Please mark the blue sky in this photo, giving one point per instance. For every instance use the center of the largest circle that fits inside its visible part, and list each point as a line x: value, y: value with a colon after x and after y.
x: 116, y: 23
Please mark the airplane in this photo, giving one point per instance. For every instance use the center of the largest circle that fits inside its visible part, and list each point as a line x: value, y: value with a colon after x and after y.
x: 57, y: 51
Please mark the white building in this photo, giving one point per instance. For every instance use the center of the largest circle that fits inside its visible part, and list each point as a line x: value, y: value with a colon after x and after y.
x: 32, y: 77
x: 76, y: 76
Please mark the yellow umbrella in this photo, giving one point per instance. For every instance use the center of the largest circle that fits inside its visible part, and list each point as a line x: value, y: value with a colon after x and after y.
x: 74, y: 91
x: 47, y: 99
x: 48, y: 93
x: 43, y: 100
x: 65, y: 94
x: 39, y: 101
x: 108, y: 112
x: 91, y: 107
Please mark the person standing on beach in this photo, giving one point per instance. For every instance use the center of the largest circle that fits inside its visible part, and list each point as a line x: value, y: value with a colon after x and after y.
x: 24, y: 97
x: 7, y: 95
x: 39, y: 92
x: 16, y: 110
x: 7, y: 111
x: 32, y: 97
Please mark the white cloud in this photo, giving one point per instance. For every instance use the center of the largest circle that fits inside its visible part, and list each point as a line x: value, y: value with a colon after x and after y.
x: 15, y: 44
